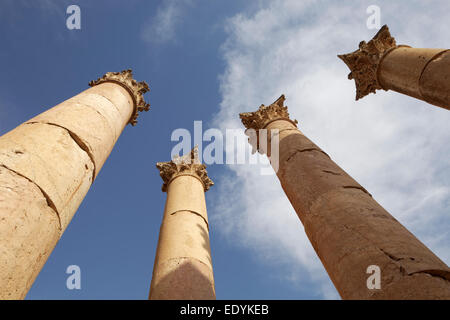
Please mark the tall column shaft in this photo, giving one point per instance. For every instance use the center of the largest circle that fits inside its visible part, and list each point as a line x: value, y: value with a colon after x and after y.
x: 183, y: 266
x: 348, y: 229
x: 47, y: 166
x: 416, y: 72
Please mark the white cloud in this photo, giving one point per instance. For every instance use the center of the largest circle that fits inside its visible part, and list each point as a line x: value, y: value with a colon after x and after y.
x: 161, y: 28
x: 395, y: 146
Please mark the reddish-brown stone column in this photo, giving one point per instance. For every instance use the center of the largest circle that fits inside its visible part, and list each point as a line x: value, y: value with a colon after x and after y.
x: 348, y: 229
x: 183, y: 267
x: 47, y: 166
x: 381, y: 64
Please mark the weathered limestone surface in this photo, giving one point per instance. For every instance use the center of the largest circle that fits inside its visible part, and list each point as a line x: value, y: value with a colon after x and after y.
x: 29, y: 230
x: 348, y: 229
x: 47, y: 166
x: 382, y: 64
x: 435, y: 80
x: 92, y: 120
x: 48, y: 156
x: 183, y: 267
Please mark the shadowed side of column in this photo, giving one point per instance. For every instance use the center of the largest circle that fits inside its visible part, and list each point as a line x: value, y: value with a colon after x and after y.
x: 348, y: 229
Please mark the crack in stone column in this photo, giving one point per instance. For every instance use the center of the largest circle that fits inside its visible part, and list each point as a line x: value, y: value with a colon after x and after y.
x: 193, y: 212
x: 76, y: 139
x: 44, y: 194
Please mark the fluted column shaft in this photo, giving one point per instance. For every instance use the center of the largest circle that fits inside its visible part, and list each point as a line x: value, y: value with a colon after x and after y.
x: 348, y: 229
x: 47, y: 166
x: 417, y: 72
x: 183, y: 266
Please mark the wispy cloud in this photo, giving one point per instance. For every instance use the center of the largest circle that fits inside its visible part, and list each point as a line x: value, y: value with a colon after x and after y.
x: 162, y: 27
x: 395, y: 146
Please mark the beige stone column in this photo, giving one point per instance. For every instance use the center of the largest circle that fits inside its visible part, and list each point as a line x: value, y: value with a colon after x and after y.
x: 47, y: 166
x: 382, y: 64
x: 348, y: 229
x: 183, y: 266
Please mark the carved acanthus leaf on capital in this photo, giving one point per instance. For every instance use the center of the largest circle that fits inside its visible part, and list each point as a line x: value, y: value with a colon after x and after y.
x: 187, y: 164
x: 259, y: 119
x: 136, y: 90
x: 364, y: 62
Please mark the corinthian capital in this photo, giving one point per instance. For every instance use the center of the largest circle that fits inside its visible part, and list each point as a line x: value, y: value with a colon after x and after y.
x: 259, y: 119
x: 134, y: 88
x: 188, y: 164
x: 364, y: 62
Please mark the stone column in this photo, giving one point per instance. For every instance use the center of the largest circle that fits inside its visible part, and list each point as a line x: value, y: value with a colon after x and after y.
x: 183, y: 267
x: 47, y: 166
x: 382, y: 64
x: 348, y: 229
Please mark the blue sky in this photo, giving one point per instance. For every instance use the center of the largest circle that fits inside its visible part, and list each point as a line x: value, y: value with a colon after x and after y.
x: 209, y: 60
